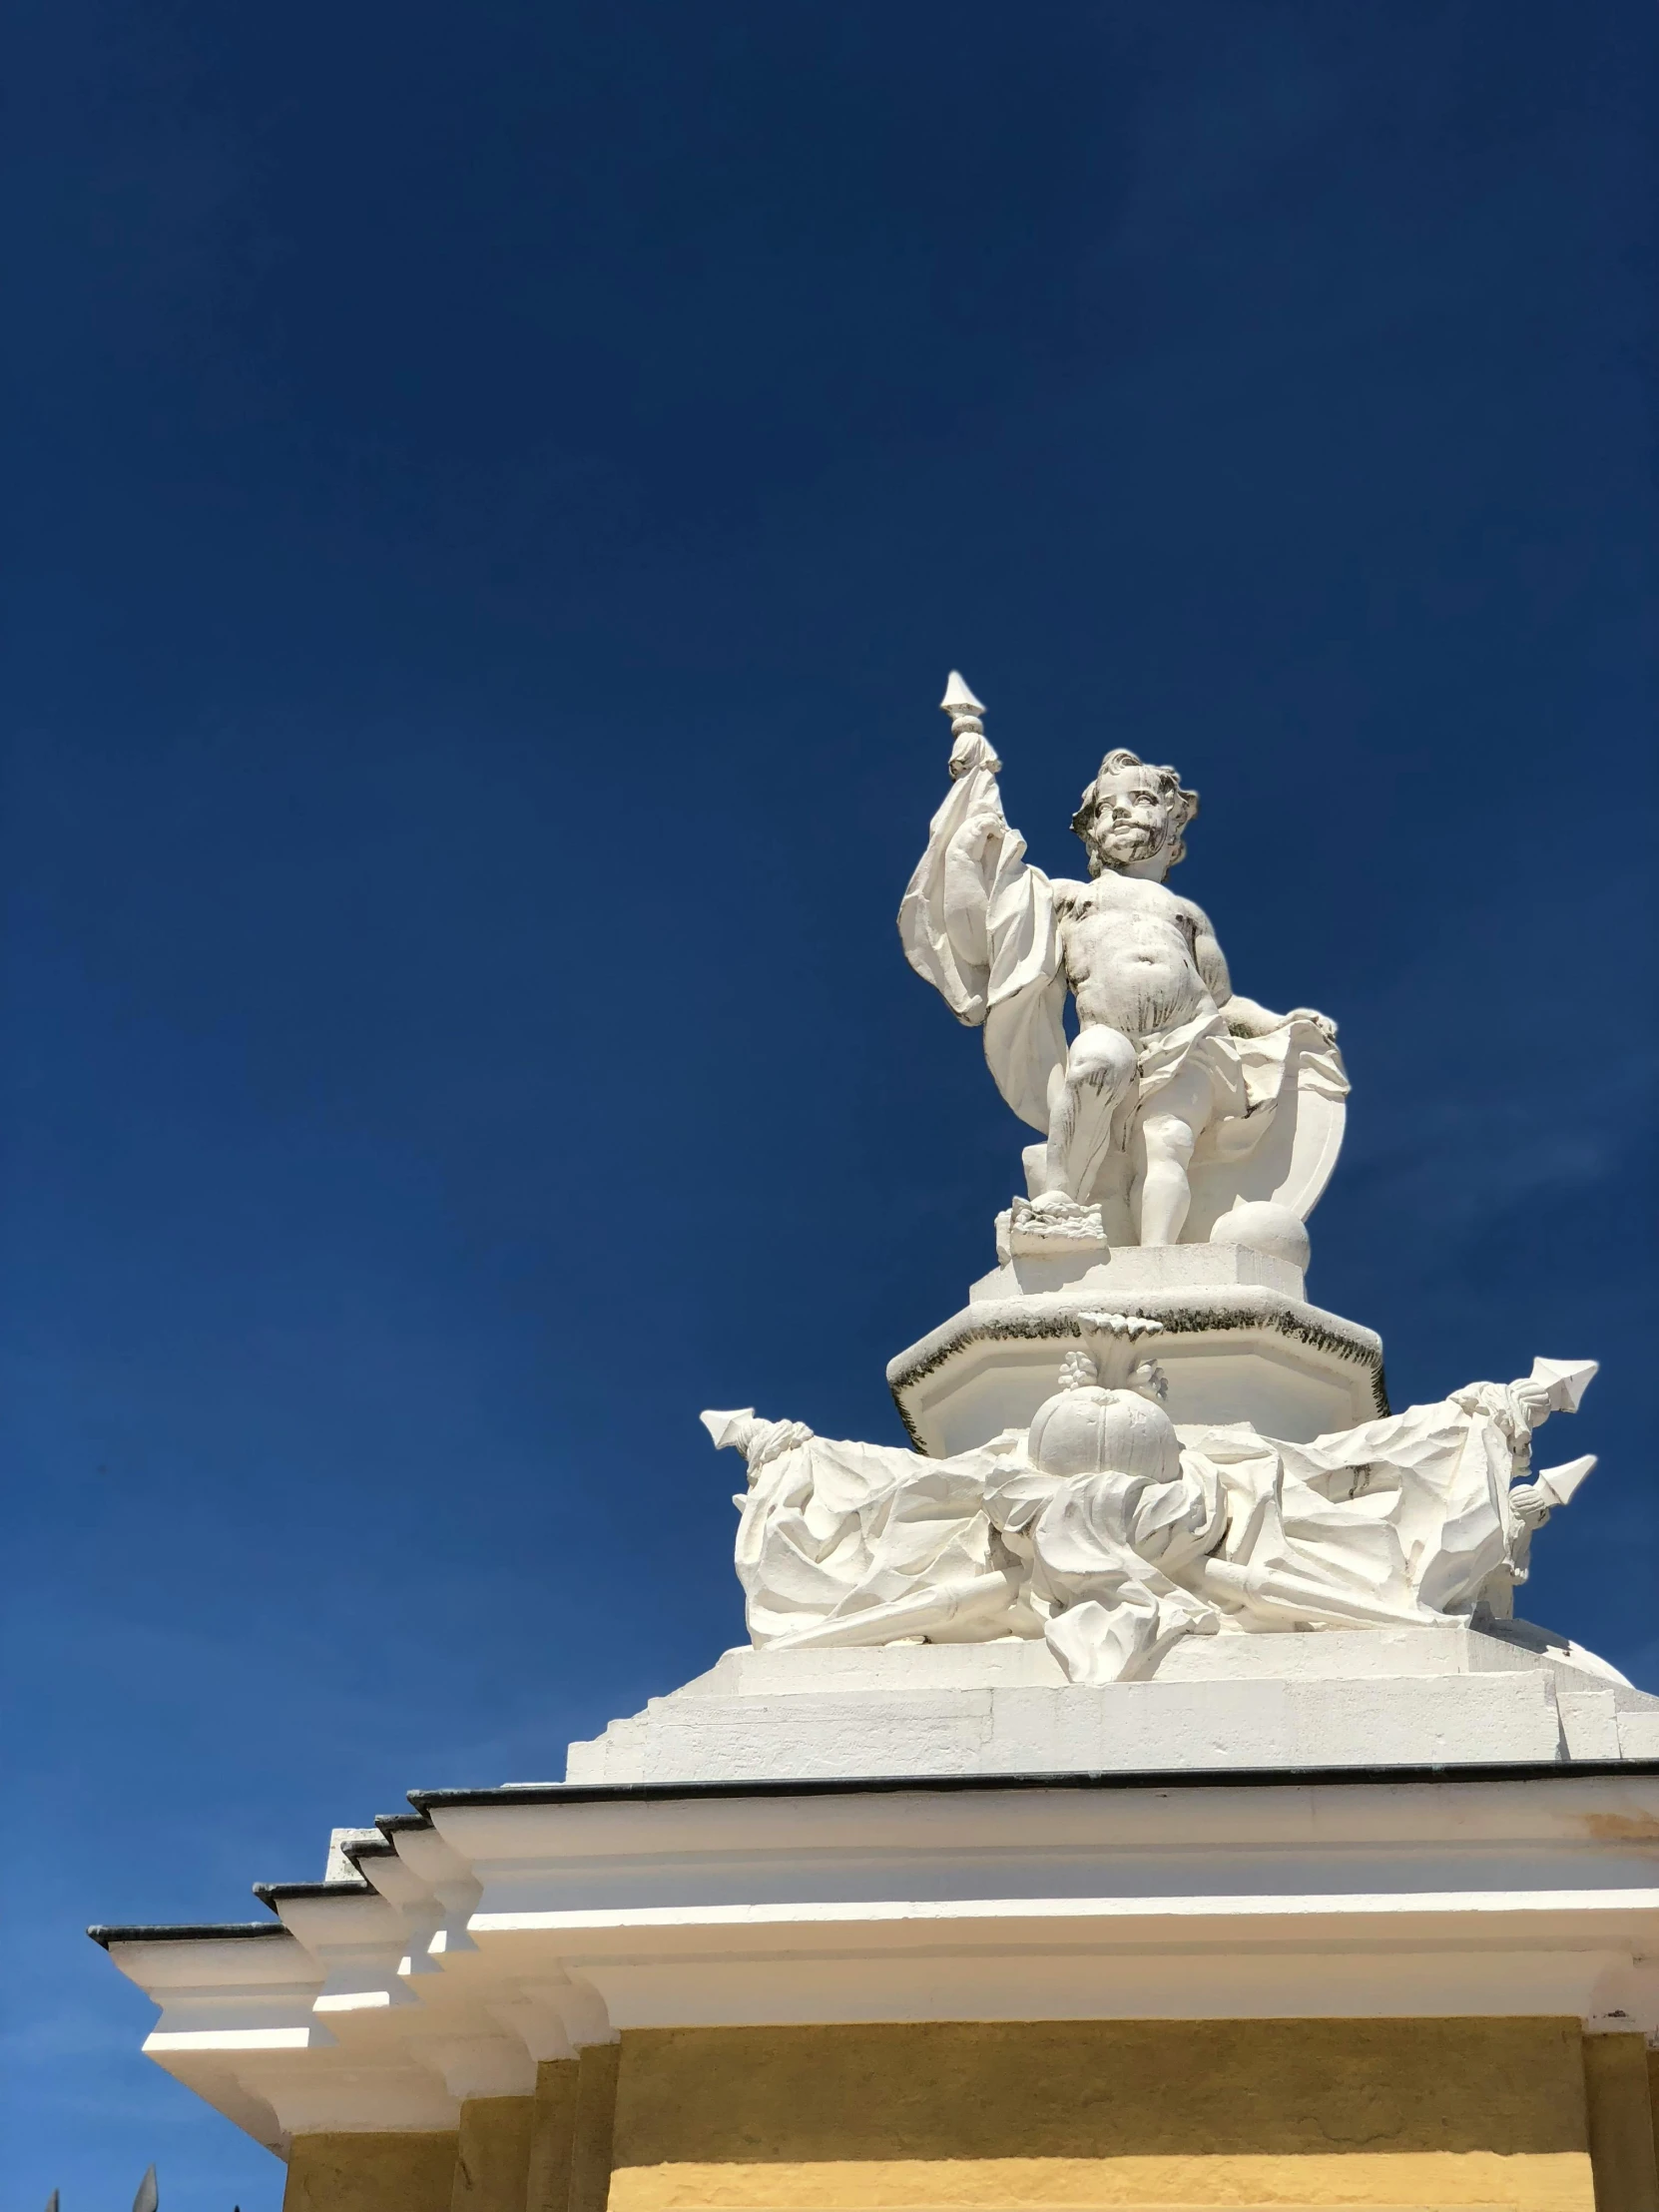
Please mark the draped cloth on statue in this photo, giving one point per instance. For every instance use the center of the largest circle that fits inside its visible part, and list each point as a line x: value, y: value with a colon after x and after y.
x: 1402, y: 1521
x: 852, y: 1543
x: 1102, y: 1552
x: 980, y: 925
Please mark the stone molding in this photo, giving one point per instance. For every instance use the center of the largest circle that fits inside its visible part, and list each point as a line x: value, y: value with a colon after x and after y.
x: 1156, y: 1897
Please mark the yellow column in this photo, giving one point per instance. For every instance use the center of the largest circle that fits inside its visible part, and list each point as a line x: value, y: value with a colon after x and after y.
x: 492, y: 2155
x: 552, y: 2136
x: 370, y: 2174
x: 1619, y: 2111
x: 590, y: 2151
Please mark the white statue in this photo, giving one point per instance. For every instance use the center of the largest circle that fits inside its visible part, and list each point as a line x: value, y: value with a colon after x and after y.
x: 1185, y: 1112
x: 1174, y: 1082
x: 1109, y: 1533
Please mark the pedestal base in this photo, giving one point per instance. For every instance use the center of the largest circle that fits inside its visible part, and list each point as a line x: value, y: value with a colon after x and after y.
x: 1240, y: 1344
x: 1363, y: 1697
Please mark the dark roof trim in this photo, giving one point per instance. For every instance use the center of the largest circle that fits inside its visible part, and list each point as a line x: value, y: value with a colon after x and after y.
x: 376, y: 1847
x: 276, y: 1894
x: 204, y: 1931
x: 1203, y: 1778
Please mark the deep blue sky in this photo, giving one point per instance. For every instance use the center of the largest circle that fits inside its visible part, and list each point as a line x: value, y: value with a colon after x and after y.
x: 496, y: 493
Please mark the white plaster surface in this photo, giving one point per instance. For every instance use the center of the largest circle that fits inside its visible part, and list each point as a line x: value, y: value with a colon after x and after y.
x: 1133, y: 1269
x: 1358, y: 1698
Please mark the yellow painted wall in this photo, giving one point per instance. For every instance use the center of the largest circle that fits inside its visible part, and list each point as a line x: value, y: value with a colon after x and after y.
x: 492, y: 2155
x: 1043, y: 2116
x: 370, y: 2174
x: 992, y: 2116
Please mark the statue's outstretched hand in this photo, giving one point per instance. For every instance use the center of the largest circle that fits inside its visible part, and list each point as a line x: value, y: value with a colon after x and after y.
x: 973, y: 749
x: 980, y: 832
x: 1322, y: 1022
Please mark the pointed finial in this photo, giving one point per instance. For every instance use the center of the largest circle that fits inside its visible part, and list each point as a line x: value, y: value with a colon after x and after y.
x: 969, y: 747
x: 726, y: 1431
x: 963, y: 709
x: 1565, y: 1380
x: 958, y: 700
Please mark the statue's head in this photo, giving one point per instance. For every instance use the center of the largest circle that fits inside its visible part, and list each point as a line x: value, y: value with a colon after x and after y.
x: 1133, y: 815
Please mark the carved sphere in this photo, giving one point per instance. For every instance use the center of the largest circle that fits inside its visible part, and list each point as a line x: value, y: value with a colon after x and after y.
x: 1096, y: 1431
x: 1265, y: 1225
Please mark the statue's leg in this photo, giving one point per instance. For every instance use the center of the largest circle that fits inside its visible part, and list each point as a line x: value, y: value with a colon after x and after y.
x: 1176, y: 1116
x: 1099, y: 1074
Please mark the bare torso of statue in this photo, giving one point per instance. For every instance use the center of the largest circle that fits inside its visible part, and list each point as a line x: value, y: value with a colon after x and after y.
x: 1130, y: 953
x: 1141, y: 963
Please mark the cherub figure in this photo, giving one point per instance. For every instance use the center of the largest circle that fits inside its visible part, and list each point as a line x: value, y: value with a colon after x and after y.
x: 1170, y: 1063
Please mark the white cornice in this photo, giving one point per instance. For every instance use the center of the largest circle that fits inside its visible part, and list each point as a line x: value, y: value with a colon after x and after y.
x: 385, y: 2007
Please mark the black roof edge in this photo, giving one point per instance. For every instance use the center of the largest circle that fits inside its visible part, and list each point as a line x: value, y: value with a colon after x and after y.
x: 369, y: 1846
x: 1159, y: 1778
x: 646, y: 1793
x: 277, y: 1892
x: 201, y: 1932
x: 398, y: 1823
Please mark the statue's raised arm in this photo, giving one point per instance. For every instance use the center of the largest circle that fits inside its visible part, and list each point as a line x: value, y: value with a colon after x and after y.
x: 1182, y: 1110
x: 979, y: 923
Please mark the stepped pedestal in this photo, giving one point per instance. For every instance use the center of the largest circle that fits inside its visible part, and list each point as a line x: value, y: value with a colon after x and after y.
x: 1240, y: 1343
x: 1504, y: 1694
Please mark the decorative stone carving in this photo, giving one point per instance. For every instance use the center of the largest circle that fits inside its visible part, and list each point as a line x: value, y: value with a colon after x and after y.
x: 1180, y: 1103
x: 1112, y: 1534
x: 1050, y: 1227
